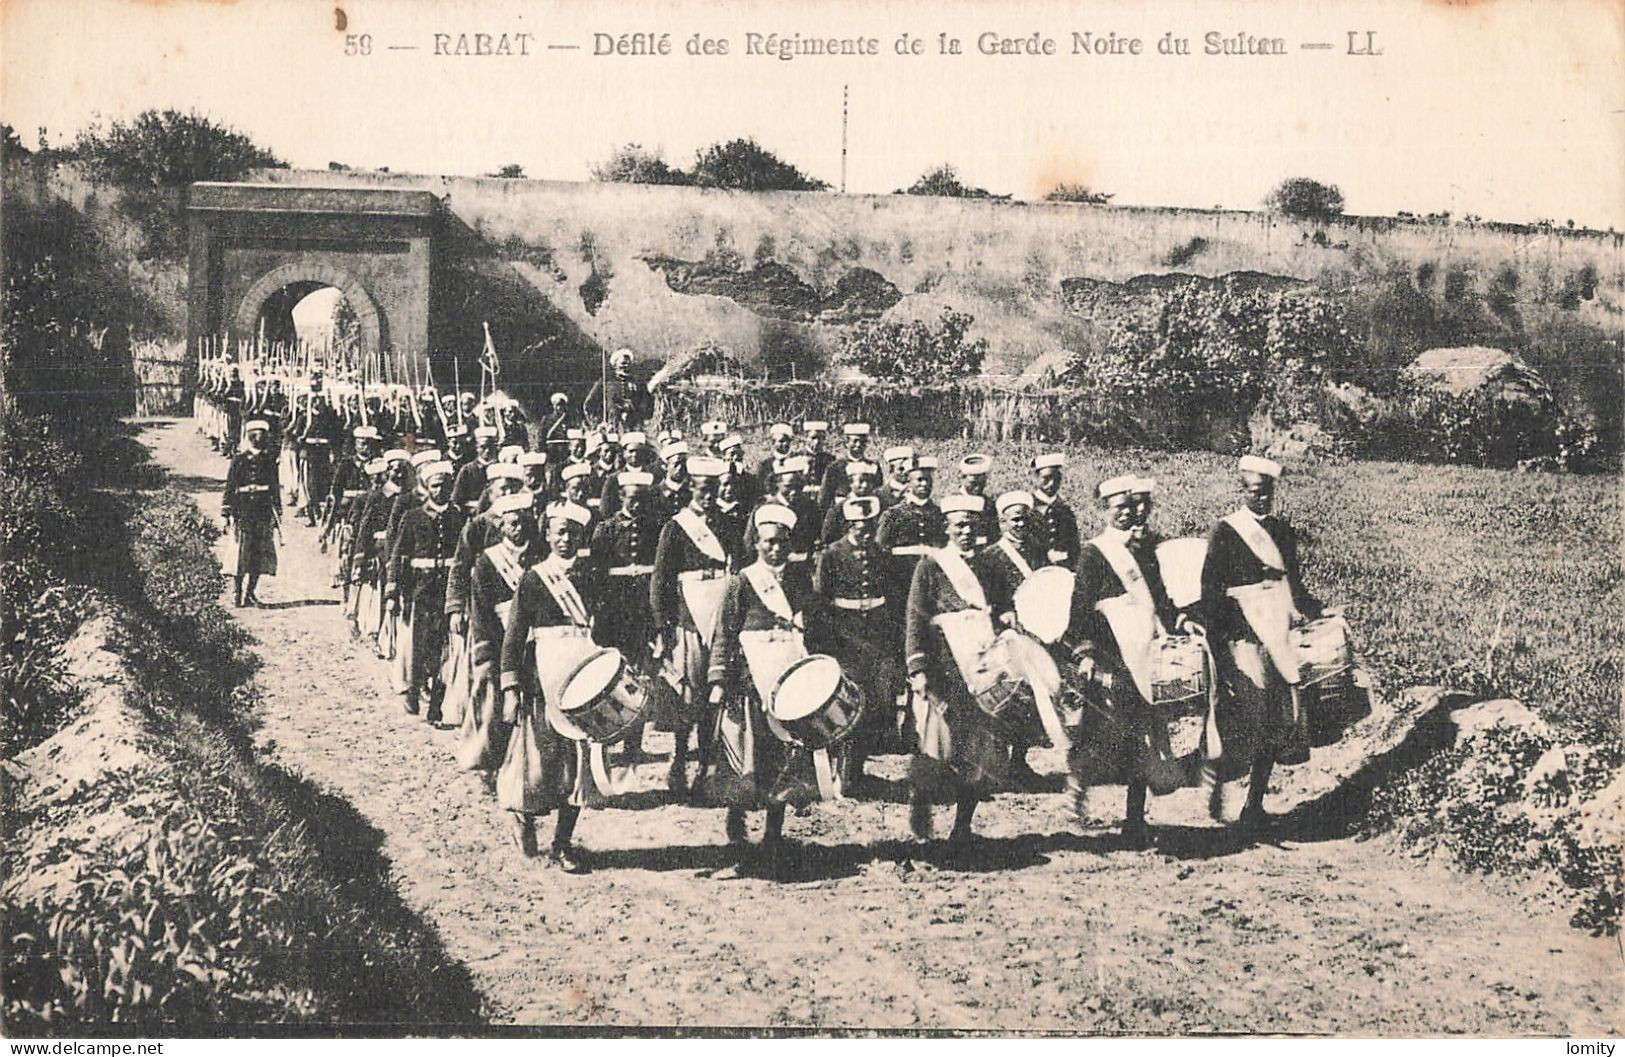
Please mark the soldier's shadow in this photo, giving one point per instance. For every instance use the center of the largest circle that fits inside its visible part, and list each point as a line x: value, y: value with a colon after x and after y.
x: 299, y: 603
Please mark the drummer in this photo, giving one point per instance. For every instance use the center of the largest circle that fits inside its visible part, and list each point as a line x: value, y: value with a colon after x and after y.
x: 1119, y: 604
x: 865, y: 634
x: 554, y: 606
x: 492, y: 582
x: 962, y: 756
x: 759, y: 634
x: 1252, y: 591
x: 624, y: 546
x: 1003, y: 566
x: 685, y: 591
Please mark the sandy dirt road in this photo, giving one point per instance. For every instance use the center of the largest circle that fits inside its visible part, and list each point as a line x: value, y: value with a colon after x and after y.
x: 1045, y: 927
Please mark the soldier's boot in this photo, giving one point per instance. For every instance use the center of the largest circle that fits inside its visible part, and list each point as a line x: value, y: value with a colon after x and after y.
x: 677, y: 773
x: 410, y: 702
x: 237, y: 593
x: 524, y: 834
x: 1136, y: 834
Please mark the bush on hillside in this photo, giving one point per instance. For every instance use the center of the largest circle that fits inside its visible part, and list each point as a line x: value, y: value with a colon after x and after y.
x: 1305, y: 198
x: 744, y: 165
x: 913, y: 351
x: 1072, y: 192
x: 632, y: 164
x: 944, y: 182
x: 168, y: 149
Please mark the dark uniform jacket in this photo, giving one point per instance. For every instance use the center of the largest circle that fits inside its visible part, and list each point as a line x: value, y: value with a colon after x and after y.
x: 906, y: 529
x: 488, y: 590
x: 677, y: 553
x: 1231, y: 563
x: 253, y: 488
x: 1060, y: 529
x: 535, y: 607
x: 623, y: 547
x: 424, y: 535
x: 803, y: 538
x: 1001, y: 576
x: 743, y: 611
x: 1088, y: 631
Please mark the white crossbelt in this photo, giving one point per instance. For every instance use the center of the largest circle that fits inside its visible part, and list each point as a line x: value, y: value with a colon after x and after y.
x: 631, y: 570
x: 860, y: 604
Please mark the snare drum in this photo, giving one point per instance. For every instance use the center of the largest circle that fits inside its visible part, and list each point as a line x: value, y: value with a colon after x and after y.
x: 1178, y: 670
x: 815, y: 703
x: 1322, y: 647
x: 604, y: 697
x: 1044, y: 603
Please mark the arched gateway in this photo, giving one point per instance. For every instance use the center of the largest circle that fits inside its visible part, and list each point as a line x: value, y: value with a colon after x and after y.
x: 257, y: 249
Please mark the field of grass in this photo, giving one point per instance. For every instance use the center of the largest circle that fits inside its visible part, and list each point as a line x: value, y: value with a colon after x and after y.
x: 1433, y: 564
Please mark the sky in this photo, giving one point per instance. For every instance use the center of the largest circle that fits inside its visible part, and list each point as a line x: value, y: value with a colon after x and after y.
x: 1507, y: 109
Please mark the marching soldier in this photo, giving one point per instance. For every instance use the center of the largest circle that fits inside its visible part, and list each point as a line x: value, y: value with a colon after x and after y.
x: 863, y: 478
x: 963, y: 755
x: 372, y: 533
x: 349, y: 487
x: 713, y: 433
x: 624, y: 547
x: 636, y: 456
x: 747, y: 489
x: 759, y: 633
x: 235, y: 399
x: 1009, y: 560
x: 973, y: 469
x: 471, y: 476
x: 548, y: 629
x: 673, y: 492
x: 733, y: 513
x: 865, y: 633
x: 781, y: 444
x: 787, y: 492
x: 539, y: 478
x: 1252, y: 594
x: 834, y: 483
x: 819, y: 459
x: 253, y: 501
x: 685, y: 591
x: 420, y: 565
x: 1119, y: 604
x: 914, y: 525
x: 577, y: 480
x: 1054, y: 514
x: 319, y: 443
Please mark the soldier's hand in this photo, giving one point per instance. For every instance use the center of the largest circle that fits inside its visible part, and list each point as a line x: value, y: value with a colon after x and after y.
x: 1086, y: 666
x: 459, y: 623
x: 510, y: 704
x: 916, y: 682
x: 392, y: 605
x: 716, y: 693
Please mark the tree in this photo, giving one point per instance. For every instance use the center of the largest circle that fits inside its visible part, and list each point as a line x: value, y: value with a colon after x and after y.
x: 169, y: 149
x: 632, y: 164
x: 944, y: 182
x: 510, y: 171
x: 11, y: 144
x: 1065, y: 192
x: 743, y: 165
x: 1306, y: 198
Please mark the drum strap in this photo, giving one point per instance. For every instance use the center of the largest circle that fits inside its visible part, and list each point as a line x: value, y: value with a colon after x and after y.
x: 701, y: 535
x: 555, y: 577
x: 1015, y: 557
x: 1259, y: 541
x: 959, y: 574
x: 1117, y: 555
x: 505, y: 559
x: 770, y: 591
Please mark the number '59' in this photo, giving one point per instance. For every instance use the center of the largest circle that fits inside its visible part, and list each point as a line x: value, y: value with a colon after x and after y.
x: 358, y: 44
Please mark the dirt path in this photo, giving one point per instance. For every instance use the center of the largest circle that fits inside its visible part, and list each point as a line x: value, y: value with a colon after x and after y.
x: 1046, y: 928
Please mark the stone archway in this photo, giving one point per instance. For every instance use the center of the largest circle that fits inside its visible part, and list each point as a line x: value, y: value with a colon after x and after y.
x: 374, y: 330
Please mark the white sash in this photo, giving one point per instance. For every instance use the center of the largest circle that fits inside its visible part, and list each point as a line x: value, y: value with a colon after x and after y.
x: 557, y: 581
x: 770, y: 591
x: 958, y: 570
x: 505, y: 560
x: 1258, y: 540
x: 1015, y: 556
x: 700, y: 533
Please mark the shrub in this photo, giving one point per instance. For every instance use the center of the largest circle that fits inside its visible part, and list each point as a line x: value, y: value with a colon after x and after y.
x: 744, y: 165
x: 168, y: 149
x: 944, y: 182
x: 913, y: 351
x: 1185, y: 252
x: 1305, y: 198
x: 632, y: 164
x: 1069, y: 192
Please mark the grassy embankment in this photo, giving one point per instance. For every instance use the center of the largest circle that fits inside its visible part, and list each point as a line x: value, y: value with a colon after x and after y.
x: 202, y: 887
